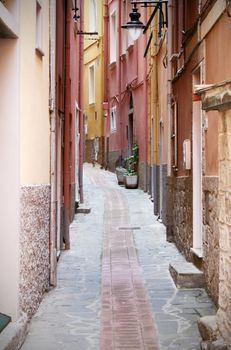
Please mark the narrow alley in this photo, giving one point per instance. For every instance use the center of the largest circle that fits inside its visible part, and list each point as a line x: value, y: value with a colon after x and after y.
x: 114, y: 290
x: 115, y: 153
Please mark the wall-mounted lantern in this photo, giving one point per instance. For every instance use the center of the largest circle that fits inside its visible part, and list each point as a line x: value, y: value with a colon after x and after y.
x: 135, y: 26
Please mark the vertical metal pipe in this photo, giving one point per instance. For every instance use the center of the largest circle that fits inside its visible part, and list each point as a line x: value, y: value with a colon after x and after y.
x: 119, y: 83
x: 66, y: 130
x: 81, y: 126
x: 146, y: 112
x: 169, y: 87
x: 106, y: 85
x: 53, y: 154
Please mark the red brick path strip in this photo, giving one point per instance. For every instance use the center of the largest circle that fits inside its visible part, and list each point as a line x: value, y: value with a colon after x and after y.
x: 126, y: 317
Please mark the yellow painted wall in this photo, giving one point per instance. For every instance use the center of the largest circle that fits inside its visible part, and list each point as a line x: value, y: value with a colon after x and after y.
x: 157, y: 95
x: 93, y: 54
x: 153, y: 120
x: 34, y: 96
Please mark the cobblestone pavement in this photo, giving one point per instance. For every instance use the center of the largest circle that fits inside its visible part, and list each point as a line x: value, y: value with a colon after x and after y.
x: 114, y: 281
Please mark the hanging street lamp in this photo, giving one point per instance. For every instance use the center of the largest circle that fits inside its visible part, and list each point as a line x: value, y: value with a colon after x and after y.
x: 134, y: 26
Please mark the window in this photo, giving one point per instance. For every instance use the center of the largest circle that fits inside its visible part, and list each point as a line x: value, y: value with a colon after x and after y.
x: 92, y: 16
x: 113, y: 119
x: 113, y: 42
x: 38, y: 40
x: 91, y: 86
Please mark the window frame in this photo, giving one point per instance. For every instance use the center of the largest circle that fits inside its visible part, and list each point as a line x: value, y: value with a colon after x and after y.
x: 91, y: 84
x: 92, y: 24
x: 113, y: 36
x: 39, y: 28
x: 113, y: 119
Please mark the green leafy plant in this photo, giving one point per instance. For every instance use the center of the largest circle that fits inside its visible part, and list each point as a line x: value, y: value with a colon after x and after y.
x: 132, y: 161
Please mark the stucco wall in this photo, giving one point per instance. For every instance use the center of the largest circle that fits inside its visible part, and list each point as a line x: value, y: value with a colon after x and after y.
x: 34, y: 246
x: 217, y: 41
x: 34, y: 97
x: 9, y: 176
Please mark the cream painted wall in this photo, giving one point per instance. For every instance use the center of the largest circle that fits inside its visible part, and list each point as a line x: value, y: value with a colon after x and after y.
x: 9, y: 177
x: 34, y: 93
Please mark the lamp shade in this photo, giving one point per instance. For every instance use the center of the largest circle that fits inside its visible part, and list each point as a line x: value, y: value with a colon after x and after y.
x: 134, y: 32
x: 135, y: 26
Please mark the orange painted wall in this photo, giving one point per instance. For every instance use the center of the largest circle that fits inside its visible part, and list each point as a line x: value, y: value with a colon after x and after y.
x: 217, y: 69
x: 218, y: 52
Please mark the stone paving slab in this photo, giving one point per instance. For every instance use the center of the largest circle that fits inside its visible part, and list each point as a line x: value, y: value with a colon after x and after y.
x: 117, y: 312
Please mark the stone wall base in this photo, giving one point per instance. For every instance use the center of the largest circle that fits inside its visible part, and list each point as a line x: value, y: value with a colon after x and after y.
x: 143, y: 176
x: 182, y: 214
x: 211, y: 236
x: 88, y: 151
x: 113, y: 160
x: 34, y: 246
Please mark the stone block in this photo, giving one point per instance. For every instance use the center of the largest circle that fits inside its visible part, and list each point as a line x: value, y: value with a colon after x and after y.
x: 228, y: 120
x: 186, y: 275
x: 208, y: 328
x: 225, y: 179
x: 216, y: 345
x: 219, y: 345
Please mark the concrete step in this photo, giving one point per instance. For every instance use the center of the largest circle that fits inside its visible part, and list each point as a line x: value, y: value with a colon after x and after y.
x: 186, y: 275
x: 81, y: 208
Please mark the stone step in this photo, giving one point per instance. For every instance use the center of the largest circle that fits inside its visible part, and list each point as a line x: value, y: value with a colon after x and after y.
x: 82, y: 209
x: 186, y: 275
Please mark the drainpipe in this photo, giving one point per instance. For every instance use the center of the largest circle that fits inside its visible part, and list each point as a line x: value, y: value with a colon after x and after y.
x: 106, y: 85
x: 119, y: 88
x: 81, y: 126
x: 169, y: 223
x: 145, y: 112
x: 67, y: 170
x: 169, y: 95
x: 53, y: 154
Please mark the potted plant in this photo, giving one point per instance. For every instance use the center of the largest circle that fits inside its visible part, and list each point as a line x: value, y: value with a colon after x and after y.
x: 131, y: 177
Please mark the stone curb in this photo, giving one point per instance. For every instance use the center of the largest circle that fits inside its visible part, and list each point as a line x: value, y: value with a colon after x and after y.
x: 13, y: 336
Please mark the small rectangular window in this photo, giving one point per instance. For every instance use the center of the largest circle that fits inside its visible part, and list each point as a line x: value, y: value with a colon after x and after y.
x: 113, y: 119
x: 113, y: 41
x: 91, y: 84
x: 92, y: 16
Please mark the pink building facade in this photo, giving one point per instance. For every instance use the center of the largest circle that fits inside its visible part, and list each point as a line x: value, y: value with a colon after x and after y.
x: 69, y: 87
x: 125, y: 90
